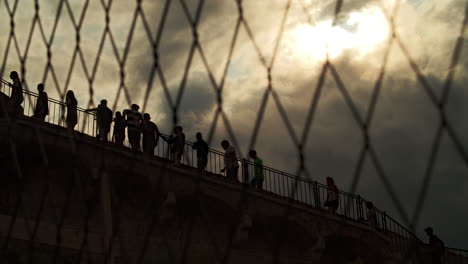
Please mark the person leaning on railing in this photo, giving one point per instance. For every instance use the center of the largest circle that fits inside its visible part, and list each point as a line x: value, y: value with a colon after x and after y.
x: 103, y: 119
x: 177, y: 142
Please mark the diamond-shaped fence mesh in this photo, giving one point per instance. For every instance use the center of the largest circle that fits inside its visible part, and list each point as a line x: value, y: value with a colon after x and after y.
x: 131, y: 53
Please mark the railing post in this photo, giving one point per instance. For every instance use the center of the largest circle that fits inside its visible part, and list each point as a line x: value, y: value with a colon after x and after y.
x: 360, y: 209
x: 317, y: 195
x: 94, y: 126
x: 245, y: 171
x: 384, y: 221
x: 169, y: 146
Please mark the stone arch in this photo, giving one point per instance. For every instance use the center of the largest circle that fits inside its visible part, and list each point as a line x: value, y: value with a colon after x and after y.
x: 346, y: 249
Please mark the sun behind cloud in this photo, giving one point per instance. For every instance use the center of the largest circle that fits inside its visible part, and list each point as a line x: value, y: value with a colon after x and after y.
x: 361, y: 31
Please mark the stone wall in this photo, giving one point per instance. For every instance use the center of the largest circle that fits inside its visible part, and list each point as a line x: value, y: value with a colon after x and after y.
x: 74, y: 189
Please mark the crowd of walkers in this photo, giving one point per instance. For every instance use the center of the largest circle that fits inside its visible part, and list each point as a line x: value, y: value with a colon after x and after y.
x: 140, y: 129
x: 140, y: 125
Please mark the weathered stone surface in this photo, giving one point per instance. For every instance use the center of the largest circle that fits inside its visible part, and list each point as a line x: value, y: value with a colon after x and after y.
x: 160, y: 213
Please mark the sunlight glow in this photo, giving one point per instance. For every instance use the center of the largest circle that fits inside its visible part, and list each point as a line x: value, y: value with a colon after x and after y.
x: 361, y: 31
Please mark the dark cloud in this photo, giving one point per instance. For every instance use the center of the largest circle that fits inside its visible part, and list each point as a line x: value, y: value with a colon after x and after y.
x: 198, y: 97
x: 325, y: 10
x: 402, y: 134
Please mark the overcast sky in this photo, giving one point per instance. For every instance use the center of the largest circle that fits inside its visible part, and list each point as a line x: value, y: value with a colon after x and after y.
x: 404, y: 123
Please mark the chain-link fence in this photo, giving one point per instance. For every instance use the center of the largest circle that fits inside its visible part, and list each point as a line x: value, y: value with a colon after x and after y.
x: 148, y: 23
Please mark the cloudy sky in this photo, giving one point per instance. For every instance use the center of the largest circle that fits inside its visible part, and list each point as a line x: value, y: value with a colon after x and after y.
x: 404, y: 123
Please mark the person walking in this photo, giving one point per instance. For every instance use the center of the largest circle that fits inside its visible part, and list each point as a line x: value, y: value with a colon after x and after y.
x: 258, y: 178
x: 332, y: 196
x: 230, y: 161
x: 134, y: 119
x: 119, y: 129
x: 150, y: 133
x: 178, y: 144
x: 16, y: 97
x: 436, y: 246
x: 371, y: 214
x: 202, y: 151
x: 103, y: 119
x: 42, y: 104
x: 72, y: 110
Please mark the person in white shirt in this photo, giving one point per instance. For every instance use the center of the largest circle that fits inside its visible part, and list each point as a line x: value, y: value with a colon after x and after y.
x: 134, y: 119
x: 230, y: 161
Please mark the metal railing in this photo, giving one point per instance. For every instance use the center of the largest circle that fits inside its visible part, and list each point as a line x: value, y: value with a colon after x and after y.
x: 454, y: 255
x: 277, y: 183
x: 57, y: 110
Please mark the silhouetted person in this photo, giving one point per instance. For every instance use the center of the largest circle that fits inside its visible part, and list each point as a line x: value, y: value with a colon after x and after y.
x: 178, y: 144
x: 371, y: 214
x: 202, y: 151
x: 134, y: 119
x: 436, y: 246
x: 150, y: 133
x: 258, y: 178
x: 72, y: 112
x: 103, y: 119
x: 16, y: 97
x: 119, y: 128
x: 42, y: 103
x: 230, y: 161
x: 332, y: 196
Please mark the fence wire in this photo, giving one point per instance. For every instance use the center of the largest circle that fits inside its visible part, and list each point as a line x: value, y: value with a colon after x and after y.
x: 81, y: 181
